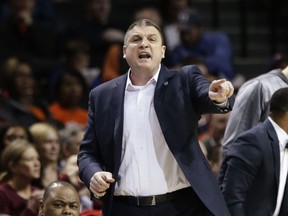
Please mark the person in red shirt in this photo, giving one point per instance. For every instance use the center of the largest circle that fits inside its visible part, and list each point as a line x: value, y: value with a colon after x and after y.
x: 21, y: 165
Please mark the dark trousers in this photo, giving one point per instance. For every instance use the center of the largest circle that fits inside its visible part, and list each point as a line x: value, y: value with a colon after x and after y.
x: 185, y: 206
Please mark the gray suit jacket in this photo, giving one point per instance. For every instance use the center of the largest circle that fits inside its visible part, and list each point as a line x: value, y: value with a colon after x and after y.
x: 180, y: 98
x: 252, y: 104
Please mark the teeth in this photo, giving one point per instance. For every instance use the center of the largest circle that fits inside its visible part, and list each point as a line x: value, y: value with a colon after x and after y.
x: 144, y: 55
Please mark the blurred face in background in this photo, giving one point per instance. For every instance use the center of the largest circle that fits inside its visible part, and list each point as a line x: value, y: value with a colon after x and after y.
x: 98, y: 10
x: 50, y: 148
x: 22, y: 5
x: 190, y: 37
x: 14, y: 133
x: 61, y: 201
x: 71, y: 91
x: 28, y: 167
x: 24, y: 82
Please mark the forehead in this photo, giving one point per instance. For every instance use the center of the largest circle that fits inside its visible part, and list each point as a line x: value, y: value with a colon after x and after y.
x: 143, y: 31
x: 65, y: 194
x: 29, y: 152
x: 16, y: 130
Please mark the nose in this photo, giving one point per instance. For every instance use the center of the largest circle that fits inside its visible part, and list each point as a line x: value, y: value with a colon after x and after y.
x: 144, y: 42
x: 67, y: 211
x: 55, y: 144
x: 37, y: 163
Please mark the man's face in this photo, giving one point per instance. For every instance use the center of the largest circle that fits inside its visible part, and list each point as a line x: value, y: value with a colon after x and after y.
x: 61, y: 201
x: 190, y: 37
x: 144, y: 48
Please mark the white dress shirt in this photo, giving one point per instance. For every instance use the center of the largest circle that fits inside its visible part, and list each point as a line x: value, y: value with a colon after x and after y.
x: 283, y: 138
x: 148, y: 166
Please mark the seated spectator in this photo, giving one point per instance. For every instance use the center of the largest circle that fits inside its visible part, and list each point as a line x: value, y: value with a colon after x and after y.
x: 71, y: 136
x: 213, y: 139
x: 189, y: 60
x: 70, y: 173
x: 10, y: 133
x: 21, y: 101
x: 95, y: 28
x: 47, y: 142
x: 213, y: 47
x: 77, y: 57
x: 170, y: 10
x: 71, y: 97
x: 24, y: 36
x: 60, y: 198
x: 43, y: 11
x: 17, y: 194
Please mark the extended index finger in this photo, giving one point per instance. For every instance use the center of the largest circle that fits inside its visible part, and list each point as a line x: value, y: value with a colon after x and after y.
x: 217, y: 83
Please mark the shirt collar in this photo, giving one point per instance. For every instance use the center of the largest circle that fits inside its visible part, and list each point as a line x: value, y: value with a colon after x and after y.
x: 281, y: 134
x: 154, y: 79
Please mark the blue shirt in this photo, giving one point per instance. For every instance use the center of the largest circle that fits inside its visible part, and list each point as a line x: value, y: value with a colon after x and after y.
x: 214, y: 48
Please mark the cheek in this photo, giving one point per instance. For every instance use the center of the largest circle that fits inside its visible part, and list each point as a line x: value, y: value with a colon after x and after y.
x: 27, y: 169
x: 76, y: 211
x: 45, y: 147
x: 53, y: 212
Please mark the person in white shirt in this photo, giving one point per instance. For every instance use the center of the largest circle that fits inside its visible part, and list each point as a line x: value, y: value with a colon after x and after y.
x: 140, y: 153
x: 254, y: 172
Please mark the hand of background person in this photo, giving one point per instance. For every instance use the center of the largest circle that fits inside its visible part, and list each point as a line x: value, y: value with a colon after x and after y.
x: 100, y: 182
x: 220, y: 90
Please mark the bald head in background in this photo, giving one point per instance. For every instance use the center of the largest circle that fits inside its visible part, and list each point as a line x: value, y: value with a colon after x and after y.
x: 60, y: 198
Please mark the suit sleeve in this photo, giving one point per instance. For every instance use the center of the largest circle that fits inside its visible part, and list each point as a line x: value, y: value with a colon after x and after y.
x: 89, y: 160
x: 198, y: 87
x: 238, y: 171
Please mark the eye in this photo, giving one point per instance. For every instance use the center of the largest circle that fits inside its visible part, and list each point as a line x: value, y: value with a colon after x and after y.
x: 74, y: 206
x: 135, y: 39
x: 58, y: 205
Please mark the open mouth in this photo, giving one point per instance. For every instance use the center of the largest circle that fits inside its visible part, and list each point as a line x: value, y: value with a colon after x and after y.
x: 144, y: 55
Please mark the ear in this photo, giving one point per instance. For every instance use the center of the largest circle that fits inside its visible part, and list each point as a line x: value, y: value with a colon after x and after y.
x: 13, y: 166
x: 163, y: 51
x: 124, y: 51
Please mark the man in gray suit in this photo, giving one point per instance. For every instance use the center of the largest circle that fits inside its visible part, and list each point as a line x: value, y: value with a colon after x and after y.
x: 254, y: 172
x: 252, y: 103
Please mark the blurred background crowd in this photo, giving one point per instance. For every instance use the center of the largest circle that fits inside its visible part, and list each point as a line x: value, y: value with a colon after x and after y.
x: 53, y: 52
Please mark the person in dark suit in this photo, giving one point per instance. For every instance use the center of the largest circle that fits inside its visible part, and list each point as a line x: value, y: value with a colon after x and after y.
x: 253, y: 173
x: 140, y: 152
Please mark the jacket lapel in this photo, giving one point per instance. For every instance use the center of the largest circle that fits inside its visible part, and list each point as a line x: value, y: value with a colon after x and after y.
x: 118, y: 92
x: 275, y: 146
x: 160, y: 90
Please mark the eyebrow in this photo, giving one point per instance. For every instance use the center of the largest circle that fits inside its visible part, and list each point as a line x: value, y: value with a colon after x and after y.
x: 71, y: 202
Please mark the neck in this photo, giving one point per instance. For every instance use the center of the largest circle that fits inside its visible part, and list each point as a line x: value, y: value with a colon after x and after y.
x: 140, y: 77
x: 51, y: 165
x: 285, y: 71
x: 282, y: 122
x: 21, y: 186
